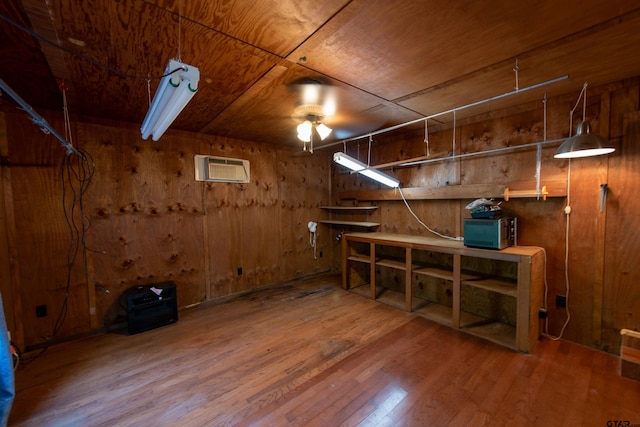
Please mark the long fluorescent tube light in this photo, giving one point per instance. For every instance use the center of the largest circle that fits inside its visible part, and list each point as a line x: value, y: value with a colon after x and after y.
x: 348, y: 162
x: 357, y: 166
x: 381, y: 177
x: 175, y: 90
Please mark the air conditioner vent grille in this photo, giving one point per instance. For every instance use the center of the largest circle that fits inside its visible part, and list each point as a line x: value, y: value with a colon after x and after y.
x: 221, y: 169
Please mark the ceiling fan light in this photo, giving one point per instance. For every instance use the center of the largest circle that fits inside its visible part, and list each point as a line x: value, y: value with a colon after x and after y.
x: 323, y: 131
x: 304, y: 131
x: 583, y: 144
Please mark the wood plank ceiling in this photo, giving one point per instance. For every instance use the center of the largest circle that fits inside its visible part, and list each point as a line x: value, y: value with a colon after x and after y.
x: 389, y: 61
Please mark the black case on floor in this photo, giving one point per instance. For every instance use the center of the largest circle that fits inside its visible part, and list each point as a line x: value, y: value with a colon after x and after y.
x: 148, y: 310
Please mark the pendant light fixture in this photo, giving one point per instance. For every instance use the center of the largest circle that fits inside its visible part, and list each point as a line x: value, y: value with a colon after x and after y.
x: 583, y: 143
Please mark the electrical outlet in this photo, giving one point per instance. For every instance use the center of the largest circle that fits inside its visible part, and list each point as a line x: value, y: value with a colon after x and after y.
x: 41, y: 311
x: 561, y: 300
x: 239, y: 271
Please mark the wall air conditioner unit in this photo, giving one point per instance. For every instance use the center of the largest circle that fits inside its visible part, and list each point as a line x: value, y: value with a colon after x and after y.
x: 221, y: 169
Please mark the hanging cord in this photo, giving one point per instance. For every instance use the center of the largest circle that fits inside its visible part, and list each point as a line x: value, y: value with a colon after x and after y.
x: 149, y: 91
x: 567, y: 211
x: 426, y: 136
x: 77, y: 171
x: 179, y: 29
x: 65, y: 111
x: 454, y: 133
x: 312, y: 242
x: 539, y: 147
x: 583, y: 95
x: 422, y: 223
x: 369, y: 151
x: 566, y: 267
x: 515, y: 70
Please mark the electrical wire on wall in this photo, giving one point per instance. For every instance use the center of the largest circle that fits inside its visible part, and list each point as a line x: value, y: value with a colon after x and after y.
x: 407, y: 203
x: 422, y: 223
x: 77, y: 170
x: 567, y: 211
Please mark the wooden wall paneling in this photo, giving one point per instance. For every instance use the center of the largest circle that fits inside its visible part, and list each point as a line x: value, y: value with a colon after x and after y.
x: 395, y: 217
x: 303, y: 188
x: 243, y: 220
x: 225, y: 236
x: 624, y: 98
x: 43, y: 236
x: 621, y: 294
x: 586, y: 177
x: 599, y: 249
x: 222, y: 204
x: 260, y: 220
x: 511, y: 166
x: 9, y: 272
x: 146, y: 216
x: 183, y: 205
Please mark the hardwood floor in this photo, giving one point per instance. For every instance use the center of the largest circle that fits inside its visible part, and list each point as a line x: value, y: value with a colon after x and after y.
x: 309, y: 353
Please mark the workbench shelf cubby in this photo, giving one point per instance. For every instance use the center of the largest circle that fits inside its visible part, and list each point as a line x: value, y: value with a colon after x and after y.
x: 494, y: 294
x: 349, y: 216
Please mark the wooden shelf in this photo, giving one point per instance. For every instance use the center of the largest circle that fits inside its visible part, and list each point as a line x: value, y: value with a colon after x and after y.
x: 351, y: 212
x: 349, y: 208
x: 439, y: 313
x: 554, y: 188
x: 360, y: 258
x: 497, y: 332
x: 362, y: 290
x: 365, y: 224
x: 392, y: 263
x: 494, y: 284
x: 441, y: 273
x: 526, y: 288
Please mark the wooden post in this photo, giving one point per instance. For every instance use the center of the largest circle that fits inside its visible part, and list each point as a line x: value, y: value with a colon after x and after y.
x: 407, y: 279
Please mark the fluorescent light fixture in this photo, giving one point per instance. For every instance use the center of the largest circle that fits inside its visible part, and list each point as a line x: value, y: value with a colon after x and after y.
x: 348, y: 162
x: 175, y: 90
x: 357, y: 166
x: 376, y: 175
x: 583, y: 144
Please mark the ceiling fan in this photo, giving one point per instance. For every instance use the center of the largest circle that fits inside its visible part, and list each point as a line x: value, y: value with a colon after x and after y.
x: 318, y: 117
x: 317, y: 104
